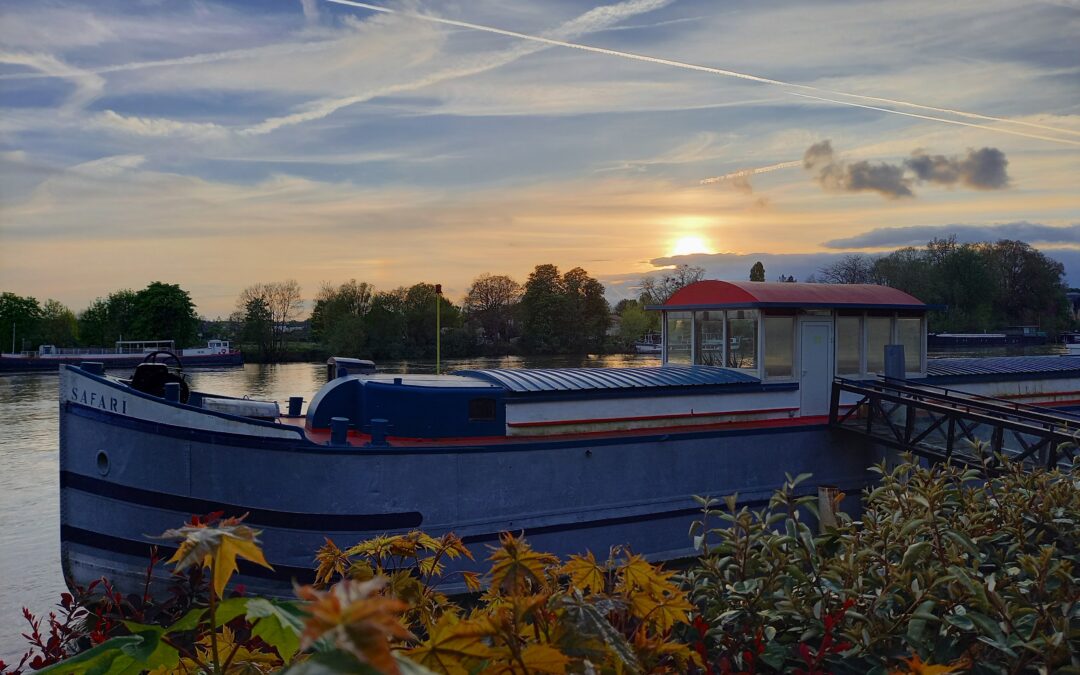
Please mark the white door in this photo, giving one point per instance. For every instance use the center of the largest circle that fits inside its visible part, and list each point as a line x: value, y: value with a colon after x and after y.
x: 816, y: 368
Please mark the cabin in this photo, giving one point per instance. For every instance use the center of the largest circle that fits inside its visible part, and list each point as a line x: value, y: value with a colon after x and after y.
x: 794, y: 332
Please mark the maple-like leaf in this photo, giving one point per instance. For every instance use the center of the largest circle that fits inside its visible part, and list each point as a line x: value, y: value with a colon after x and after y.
x: 357, y: 619
x: 453, y: 646
x: 216, y: 547
x: 915, y: 666
x: 585, y: 573
x: 662, y: 611
x: 472, y: 581
x: 637, y: 573
x: 332, y: 560
x: 516, y: 567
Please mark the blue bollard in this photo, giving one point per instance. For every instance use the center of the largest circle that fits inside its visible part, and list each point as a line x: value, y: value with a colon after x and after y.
x: 339, y: 430
x: 294, y: 405
x: 378, y: 432
x: 172, y: 392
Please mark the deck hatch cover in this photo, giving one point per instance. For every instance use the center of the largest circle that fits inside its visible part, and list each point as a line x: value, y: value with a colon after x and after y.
x: 1002, y: 365
x: 595, y: 379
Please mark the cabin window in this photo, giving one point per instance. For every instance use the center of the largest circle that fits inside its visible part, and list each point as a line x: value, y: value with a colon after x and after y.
x: 848, y: 345
x: 482, y: 410
x: 709, y: 339
x: 909, y: 334
x: 677, y: 338
x: 779, y: 346
x: 742, y: 339
x: 878, y: 334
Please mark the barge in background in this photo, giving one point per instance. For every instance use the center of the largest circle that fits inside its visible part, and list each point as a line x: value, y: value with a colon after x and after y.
x: 576, y: 458
x: 126, y: 354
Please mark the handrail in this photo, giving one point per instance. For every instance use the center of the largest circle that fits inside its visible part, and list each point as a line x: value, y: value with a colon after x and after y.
x: 983, y: 397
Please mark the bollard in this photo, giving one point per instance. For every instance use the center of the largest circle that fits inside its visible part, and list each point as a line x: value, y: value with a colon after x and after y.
x: 339, y: 430
x: 397, y: 380
x: 294, y: 405
x: 378, y: 432
x: 172, y: 392
x: 93, y: 367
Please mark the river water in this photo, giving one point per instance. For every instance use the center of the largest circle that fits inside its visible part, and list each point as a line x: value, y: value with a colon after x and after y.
x: 29, y: 481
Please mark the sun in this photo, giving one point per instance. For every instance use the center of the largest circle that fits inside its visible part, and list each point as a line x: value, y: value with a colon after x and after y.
x: 689, y: 244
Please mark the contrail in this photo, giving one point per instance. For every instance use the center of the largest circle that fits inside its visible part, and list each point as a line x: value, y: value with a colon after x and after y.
x: 746, y: 173
x: 742, y: 76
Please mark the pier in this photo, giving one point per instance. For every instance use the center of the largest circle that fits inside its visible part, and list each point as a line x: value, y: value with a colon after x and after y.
x: 952, y: 426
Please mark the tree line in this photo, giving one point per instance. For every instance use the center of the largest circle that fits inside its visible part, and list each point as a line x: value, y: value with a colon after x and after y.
x: 983, y: 286
x: 158, y: 312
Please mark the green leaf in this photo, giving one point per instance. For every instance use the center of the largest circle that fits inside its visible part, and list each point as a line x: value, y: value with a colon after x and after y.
x: 914, y: 553
x: 279, y: 624
x: 961, y: 621
x: 987, y: 626
x: 334, y: 662
x: 102, y: 655
x: 917, y: 625
x: 189, y: 621
x: 227, y: 610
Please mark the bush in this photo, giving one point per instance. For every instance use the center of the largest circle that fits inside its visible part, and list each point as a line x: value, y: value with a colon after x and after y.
x: 945, y: 567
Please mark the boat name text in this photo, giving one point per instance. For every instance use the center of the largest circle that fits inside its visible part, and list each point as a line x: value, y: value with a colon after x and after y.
x: 96, y: 400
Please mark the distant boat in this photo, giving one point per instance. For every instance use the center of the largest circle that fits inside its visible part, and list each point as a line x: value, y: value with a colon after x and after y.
x: 652, y: 343
x: 126, y: 354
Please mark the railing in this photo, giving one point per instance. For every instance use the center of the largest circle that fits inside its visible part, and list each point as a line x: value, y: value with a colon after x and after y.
x: 954, y: 426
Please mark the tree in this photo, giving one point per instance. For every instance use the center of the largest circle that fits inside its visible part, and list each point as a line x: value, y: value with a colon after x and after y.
x: 20, y: 316
x: 490, y: 301
x: 588, y: 313
x: 109, y: 319
x: 258, y: 326
x: 418, y: 308
x: 635, y: 322
x: 58, y: 325
x: 851, y: 269
x: 165, y: 311
x: 657, y: 290
x: 283, y: 300
x: 384, y: 325
x: 337, y: 319
x: 543, y: 311
x: 757, y: 272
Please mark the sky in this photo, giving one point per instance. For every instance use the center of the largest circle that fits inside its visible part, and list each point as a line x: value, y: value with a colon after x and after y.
x: 217, y: 144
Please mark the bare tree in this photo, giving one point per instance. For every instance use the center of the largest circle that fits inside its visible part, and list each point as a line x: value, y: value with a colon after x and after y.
x: 657, y: 290
x: 851, y: 269
x: 490, y: 300
x: 282, y: 299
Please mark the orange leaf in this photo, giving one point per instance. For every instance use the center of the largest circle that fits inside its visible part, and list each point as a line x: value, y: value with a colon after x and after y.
x: 451, y: 644
x: 516, y: 567
x: 585, y: 573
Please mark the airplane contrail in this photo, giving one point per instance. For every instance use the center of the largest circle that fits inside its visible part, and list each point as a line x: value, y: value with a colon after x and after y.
x: 743, y: 76
x: 746, y: 173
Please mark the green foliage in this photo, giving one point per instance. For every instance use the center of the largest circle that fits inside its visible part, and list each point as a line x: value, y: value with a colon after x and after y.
x: 23, y: 314
x: 984, y: 286
x: 757, y: 272
x: 946, y: 565
x: 635, y: 322
x: 164, y: 312
x: 491, y: 302
x: 109, y: 319
x: 57, y: 325
x: 563, y: 313
x: 257, y: 326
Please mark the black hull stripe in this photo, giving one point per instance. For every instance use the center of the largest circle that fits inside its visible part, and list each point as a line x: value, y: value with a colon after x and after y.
x: 141, y: 550
x: 318, y: 522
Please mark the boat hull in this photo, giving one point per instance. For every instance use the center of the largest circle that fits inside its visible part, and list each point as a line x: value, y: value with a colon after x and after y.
x: 143, y: 465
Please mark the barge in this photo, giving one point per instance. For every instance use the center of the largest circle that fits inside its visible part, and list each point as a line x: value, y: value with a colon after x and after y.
x: 126, y: 354
x: 577, y: 459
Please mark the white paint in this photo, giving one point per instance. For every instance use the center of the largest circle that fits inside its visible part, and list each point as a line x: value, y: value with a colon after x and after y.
x: 816, y: 368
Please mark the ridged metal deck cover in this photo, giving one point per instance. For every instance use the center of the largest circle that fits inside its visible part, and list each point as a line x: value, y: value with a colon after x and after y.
x: 1001, y: 365
x: 585, y: 379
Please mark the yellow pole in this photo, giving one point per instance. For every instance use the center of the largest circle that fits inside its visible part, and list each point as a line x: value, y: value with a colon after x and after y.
x: 438, y: 329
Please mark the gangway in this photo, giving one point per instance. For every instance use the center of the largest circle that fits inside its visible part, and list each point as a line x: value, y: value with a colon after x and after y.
x: 953, y: 426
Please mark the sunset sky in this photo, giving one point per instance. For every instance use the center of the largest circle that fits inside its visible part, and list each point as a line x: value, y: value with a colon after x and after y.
x: 218, y: 144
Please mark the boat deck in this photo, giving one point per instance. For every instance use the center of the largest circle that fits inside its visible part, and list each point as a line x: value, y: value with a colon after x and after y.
x: 1001, y: 368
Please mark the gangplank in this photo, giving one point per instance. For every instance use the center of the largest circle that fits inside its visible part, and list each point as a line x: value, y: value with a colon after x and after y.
x: 953, y: 426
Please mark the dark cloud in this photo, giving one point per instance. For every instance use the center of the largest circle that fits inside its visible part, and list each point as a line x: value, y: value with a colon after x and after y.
x: 837, y: 175
x: 887, y: 237
x: 984, y: 169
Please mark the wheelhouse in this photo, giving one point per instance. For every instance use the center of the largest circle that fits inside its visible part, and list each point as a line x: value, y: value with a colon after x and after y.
x: 773, y: 331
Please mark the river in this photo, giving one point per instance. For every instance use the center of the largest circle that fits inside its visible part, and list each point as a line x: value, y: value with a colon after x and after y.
x: 29, y: 494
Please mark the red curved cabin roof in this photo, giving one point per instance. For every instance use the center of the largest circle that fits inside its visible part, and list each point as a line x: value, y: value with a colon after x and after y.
x: 741, y: 294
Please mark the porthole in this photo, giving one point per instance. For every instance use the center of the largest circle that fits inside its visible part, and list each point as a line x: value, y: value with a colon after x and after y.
x: 103, y: 463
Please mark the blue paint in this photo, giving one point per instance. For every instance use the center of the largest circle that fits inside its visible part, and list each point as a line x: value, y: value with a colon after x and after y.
x: 620, y: 379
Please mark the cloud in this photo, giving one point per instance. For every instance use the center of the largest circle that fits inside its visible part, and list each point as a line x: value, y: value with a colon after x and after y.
x: 88, y: 85
x: 983, y: 169
x: 889, y: 237
x: 158, y: 126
